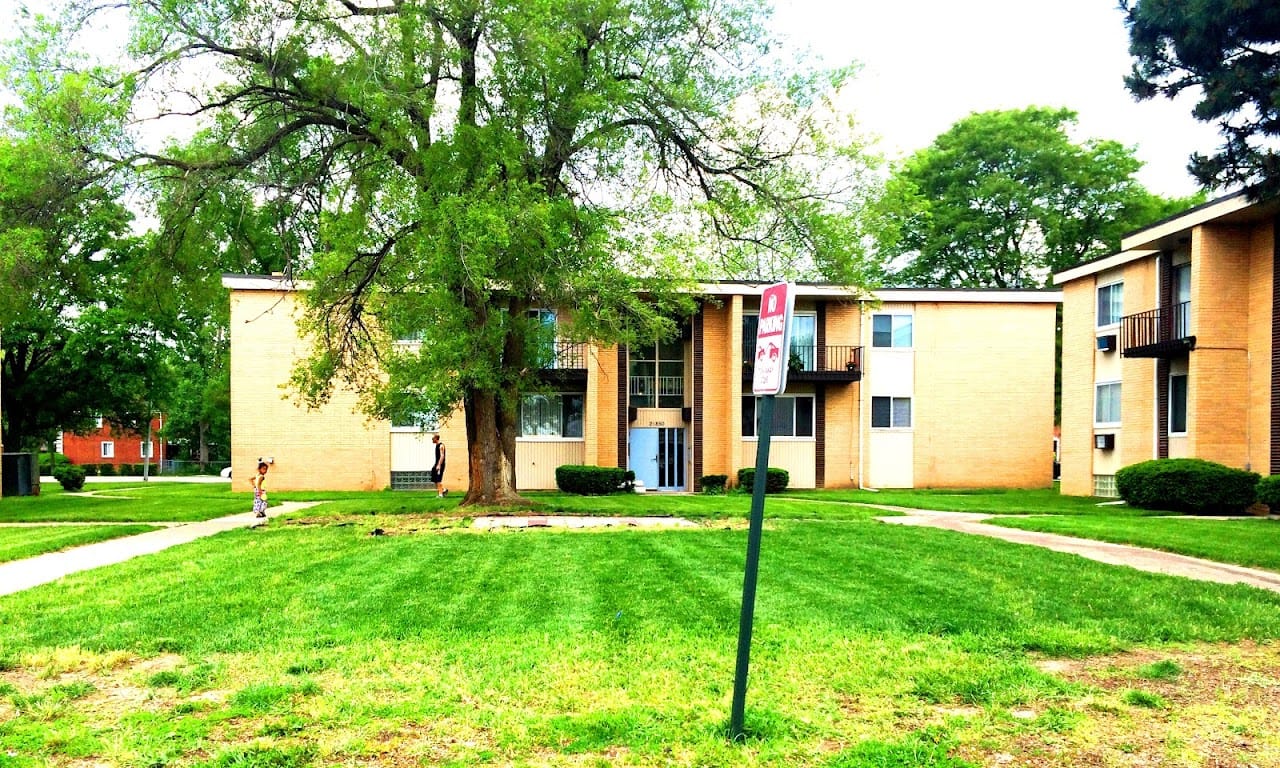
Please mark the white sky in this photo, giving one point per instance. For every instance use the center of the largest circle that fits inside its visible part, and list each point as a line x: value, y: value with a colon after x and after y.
x: 928, y: 63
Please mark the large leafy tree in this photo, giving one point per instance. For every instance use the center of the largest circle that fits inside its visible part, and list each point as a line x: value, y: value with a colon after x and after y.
x: 1230, y: 51
x: 72, y: 348
x: 1003, y: 199
x: 442, y: 168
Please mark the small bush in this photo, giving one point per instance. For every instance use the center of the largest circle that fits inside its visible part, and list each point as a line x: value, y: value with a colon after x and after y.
x: 590, y: 481
x: 1269, y: 492
x: 714, y: 483
x: 70, y: 477
x: 1187, y: 485
x: 776, y: 480
x: 107, y: 470
x: 59, y: 460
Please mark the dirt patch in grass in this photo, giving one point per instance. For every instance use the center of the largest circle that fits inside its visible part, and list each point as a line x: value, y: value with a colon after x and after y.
x: 1204, y: 705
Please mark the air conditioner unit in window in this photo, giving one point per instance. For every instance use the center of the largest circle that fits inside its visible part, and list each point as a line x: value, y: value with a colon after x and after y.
x: 1107, y: 343
x: 1105, y: 442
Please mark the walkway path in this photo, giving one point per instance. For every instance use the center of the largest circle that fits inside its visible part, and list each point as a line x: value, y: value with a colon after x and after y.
x: 1114, y: 554
x: 18, y: 575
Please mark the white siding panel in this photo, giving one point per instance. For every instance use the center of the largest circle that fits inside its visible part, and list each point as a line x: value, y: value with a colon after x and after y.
x: 892, y: 459
x: 536, y: 461
x: 798, y: 457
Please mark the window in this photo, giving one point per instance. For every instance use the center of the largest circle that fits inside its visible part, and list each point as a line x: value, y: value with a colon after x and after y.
x: 1110, y: 304
x: 1178, y: 404
x: 98, y: 422
x: 557, y: 415
x: 890, y: 412
x: 147, y: 450
x: 108, y: 449
x: 891, y: 330
x: 1105, y: 486
x: 792, y: 416
x: 657, y: 375
x: 1106, y: 403
x: 804, y: 340
x: 415, y: 421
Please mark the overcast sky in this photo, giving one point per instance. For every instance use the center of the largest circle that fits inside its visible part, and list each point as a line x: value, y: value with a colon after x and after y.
x: 928, y: 63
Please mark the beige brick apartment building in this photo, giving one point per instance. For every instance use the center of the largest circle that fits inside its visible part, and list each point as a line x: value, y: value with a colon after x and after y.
x: 1170, y: 347
x: 913, y: 388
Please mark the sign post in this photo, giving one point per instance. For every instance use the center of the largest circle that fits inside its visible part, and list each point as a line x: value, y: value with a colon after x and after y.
x: 772, y: 356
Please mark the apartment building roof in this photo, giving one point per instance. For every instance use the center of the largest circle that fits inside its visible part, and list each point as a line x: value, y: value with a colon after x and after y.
x: 1173, y: 231
x: 747, y: 287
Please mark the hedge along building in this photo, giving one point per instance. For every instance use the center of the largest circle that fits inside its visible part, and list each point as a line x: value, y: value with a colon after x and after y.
x: 908, y: 388
x: 1170, y: 347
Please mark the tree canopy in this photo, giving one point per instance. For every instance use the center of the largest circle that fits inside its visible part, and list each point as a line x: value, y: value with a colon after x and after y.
x: 441, y: 169
x: 1003, y: 199
x: 1231, y: 52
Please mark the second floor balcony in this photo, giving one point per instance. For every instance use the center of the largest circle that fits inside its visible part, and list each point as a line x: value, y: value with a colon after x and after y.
x: 838, y: 363
x: 1159, y: 332
x: 563, y: 361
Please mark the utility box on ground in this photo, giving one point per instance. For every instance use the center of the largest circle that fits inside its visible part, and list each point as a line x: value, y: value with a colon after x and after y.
x: 21, y: 472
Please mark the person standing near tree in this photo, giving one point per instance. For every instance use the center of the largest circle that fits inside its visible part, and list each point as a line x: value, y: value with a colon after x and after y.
x: 437, y: 470
x: 259, y: 490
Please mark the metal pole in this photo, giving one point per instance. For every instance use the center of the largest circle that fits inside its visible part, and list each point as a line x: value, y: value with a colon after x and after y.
x: 764, y: 430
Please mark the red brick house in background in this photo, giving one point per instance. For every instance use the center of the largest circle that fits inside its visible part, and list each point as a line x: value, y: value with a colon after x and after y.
x: 109, y: 445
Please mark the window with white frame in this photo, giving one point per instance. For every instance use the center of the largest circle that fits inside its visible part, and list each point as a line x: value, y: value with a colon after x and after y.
x: 98, y: 422
x: 792, y: 416
x: 147, y: 450
x: 891, y: 331
x: 1106, y: 404
x: 552, y: 415
x: 890, y: 412
x: 1110, y: 304
x: 1178, y: 404
x: 108, y: 449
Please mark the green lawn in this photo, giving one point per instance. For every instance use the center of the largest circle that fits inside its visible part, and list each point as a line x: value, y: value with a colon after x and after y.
x: 19, y: 543
x: 322, y: 645
x: 127, y: 502
x: 997, y: 501
x: 1252, y: 542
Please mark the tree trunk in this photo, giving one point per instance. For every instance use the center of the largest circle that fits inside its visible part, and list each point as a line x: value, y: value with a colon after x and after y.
x: 203, y: 455
x: 491, y: 458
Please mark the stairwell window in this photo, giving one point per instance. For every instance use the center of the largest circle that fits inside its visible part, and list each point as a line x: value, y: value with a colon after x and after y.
x: 1110, y: 304
x: 1106, y: 404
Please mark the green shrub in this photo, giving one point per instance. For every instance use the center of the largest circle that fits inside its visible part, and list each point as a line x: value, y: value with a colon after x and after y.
x: 1187, y: 485
x: 70, y: 477
x: 59, y: 460
x: 590, y: 481
x: 107, y: 470
x: 1269, y: 492
x: 776, y: 480
x: 714, y: 483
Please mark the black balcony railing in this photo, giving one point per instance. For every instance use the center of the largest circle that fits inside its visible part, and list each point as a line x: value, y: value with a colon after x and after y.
x: 813, y: 363
x: 563, y: 362
x: 1159, y: 332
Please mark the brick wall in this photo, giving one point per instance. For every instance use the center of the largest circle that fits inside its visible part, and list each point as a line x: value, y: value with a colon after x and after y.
x: 1079, y: 298
x: 983, y: 403
x: 721, y: 363
x: 1260, y: 303
x: 1218, y: 396
x: 335, y: 447
x: 844, y: 328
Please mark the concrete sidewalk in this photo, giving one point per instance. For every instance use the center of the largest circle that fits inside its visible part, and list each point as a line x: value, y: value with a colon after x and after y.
x: 23, y: 574
x: 1142, y: 559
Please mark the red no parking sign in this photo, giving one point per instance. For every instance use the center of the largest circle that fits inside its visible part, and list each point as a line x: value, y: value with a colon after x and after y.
x: 773, y: 339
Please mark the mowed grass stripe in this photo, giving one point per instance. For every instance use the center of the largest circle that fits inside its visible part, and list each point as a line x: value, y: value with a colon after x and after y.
x: 21, y: 543
x: 301, y: 588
